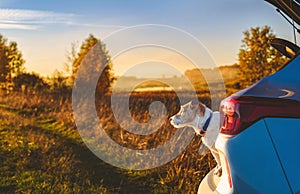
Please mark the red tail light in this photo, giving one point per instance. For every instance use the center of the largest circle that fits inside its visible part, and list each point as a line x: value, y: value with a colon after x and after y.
x: 230, y: 116
x: 239, y: 112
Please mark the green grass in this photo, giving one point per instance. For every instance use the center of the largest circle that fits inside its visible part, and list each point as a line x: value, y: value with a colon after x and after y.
x: 41, y: 157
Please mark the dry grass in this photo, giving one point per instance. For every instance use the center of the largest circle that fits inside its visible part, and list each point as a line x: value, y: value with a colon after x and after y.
x: 41, y: 150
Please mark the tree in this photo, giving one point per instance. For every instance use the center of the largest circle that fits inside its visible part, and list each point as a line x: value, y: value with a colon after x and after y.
x: 11, y: 61
x: 257, y: 58
x: 4, y: 63
x: 15, y: 59
x: 94, y: 58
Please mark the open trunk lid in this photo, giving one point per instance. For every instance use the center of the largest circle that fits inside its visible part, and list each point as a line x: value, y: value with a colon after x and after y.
x: 290, y: 7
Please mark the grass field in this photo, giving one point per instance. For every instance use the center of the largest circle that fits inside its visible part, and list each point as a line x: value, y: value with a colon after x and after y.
x: 41, y: 150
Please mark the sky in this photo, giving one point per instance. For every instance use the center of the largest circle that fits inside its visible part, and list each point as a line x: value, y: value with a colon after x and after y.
x: 171, y: 34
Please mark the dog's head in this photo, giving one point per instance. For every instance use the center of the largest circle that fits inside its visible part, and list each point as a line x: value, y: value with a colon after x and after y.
x: 187, y: 114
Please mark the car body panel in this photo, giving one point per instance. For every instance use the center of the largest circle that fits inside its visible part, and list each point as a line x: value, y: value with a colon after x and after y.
x: 254, y: 163
x: 259, y: 157
x: 285, y: 133
x: 284, y: 84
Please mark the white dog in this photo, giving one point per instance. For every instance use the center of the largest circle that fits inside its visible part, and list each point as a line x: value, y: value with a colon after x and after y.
x: 205, y: 122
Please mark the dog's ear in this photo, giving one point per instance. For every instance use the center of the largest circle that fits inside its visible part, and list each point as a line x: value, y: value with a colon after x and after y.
x: 198, y: 107
x: 202, y: 109
x: 194, y: 105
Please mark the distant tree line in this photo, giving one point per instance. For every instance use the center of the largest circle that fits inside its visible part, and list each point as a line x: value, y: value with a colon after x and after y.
x: 256, y: 59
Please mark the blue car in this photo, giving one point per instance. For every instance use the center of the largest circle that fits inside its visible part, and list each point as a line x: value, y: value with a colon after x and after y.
x: 259, y: 140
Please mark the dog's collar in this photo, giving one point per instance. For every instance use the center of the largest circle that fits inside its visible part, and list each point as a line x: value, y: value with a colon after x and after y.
x: 205, y: 126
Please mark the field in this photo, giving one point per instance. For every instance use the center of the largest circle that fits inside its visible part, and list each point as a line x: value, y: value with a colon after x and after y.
x: 195, y: 77
x: 41, y: 150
